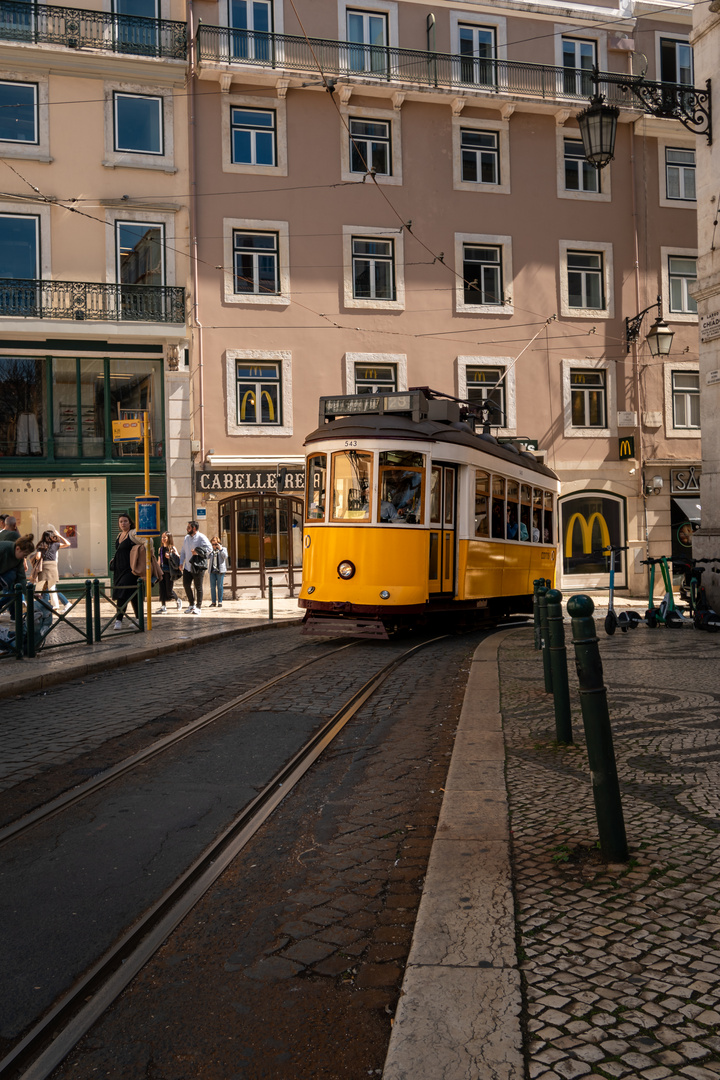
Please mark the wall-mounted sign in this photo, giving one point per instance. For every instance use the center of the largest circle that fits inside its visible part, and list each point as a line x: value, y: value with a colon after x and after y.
x: 223, y: 481
x: 147, y: 515
x: 127, y: 430
x: 626, y: 447
x: 710, y: 326
x: 712, y: 378
x: 627, y: 419
x: 685, y: 480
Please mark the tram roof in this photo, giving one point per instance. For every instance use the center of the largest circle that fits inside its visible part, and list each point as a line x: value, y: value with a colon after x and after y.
x: 388, y: 426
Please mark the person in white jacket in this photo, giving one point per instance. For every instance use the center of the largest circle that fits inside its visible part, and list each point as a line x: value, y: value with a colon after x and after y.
x: 194, y: 556
x: 218, y: 569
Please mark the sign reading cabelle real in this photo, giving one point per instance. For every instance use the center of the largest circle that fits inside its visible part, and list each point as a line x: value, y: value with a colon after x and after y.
x: 226, y: 480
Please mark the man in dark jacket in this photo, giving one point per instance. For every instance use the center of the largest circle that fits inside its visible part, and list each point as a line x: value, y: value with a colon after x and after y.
x: 9, y: 530
x: 12, y: 565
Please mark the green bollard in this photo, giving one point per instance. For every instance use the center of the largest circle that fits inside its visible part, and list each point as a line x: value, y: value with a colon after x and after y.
x: 19, y: 600
x: 30, y: 619
x: 88, y: 611
x: 542, y: 606
x: 96, y: 609
x: 270, y: 598
x: 558, y: 666
x: 598, y: 733
x: 536, y: 612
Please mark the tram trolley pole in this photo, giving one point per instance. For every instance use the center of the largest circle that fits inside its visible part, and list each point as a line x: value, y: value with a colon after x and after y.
x: 558, y: 666
x: 598, y: 732
x: 270, y: 598
x: 542, y: 605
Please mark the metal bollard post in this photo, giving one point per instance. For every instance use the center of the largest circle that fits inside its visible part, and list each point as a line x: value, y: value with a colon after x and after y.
x: 542, y: 606
x: 270, y: 598
x: 558, y: 666
x: 30, y: 619
x: 88, y: 611
x: 536, y: 612
x: 141, y: 609
x: 19, y: 598
x: 96, y: 609
x: 598, y: 733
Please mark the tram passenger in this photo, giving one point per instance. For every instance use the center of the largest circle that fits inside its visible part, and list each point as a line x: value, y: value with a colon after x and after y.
x: 535, y: 530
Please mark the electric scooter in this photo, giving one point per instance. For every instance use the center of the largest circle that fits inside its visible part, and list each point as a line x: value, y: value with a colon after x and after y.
x: 666, y: 612
x: 626, y: 620
x: 703, y: 616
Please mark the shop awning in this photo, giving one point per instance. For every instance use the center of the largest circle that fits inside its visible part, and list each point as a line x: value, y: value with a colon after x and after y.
x: 690, y: 508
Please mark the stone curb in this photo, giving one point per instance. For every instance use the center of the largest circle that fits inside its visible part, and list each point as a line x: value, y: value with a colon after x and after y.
x: 458, y: 1017
x: 76, y: 668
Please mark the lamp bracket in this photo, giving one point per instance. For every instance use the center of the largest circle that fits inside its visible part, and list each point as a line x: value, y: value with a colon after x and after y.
x: 632, y: 326
x: 670, y: 101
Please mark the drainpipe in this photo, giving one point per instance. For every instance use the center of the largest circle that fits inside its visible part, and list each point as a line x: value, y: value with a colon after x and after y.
x: 193, y: 227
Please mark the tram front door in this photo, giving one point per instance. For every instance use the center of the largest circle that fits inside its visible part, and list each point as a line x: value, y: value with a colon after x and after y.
x: 442, y: 529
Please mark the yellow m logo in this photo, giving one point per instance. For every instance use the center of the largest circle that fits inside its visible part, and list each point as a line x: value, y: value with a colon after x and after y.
x: 586, y: 529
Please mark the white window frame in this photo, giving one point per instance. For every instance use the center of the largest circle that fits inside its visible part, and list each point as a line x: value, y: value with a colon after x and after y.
x: 40, y: 150
x: 572, y: 432
x: 671, y: 432
x: 467, y: 18
x: 13, y: 208
x: 665, y: 253
x: 396, y: 235
x: 473, y: 123
x: 222, y: 16
x: 389, y: 116
x: 370, y: 359
x: 254, y: 388
x: 134, y: 221
x: 605, y: 195
x: 581, y: 33
x: 678, y: 142
x: 282, y: 228
x: 608, y: 312
x: 252, y: 101
x: 115, y: 159
x: 505, y: 244
x: 284, y: 359
x: 681, y: 39
x: 465, y: 362
x: 376, y: 7
x: 143, y: 217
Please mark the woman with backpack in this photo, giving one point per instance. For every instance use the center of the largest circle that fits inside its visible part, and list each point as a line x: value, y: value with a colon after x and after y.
x: 169, y: 559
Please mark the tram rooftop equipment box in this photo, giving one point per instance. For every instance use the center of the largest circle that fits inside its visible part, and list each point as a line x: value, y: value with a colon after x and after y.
x: 412, y: 403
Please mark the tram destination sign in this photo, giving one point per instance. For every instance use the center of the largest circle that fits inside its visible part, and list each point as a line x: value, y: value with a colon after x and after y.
x: 226, y: 480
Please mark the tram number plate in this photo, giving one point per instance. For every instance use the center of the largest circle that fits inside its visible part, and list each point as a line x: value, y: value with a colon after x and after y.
x: 351, y: 442
x: 482, y: 603
x: 547, y: 556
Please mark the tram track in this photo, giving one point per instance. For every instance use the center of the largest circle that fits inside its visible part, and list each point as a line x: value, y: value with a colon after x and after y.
x: 57, y: 1032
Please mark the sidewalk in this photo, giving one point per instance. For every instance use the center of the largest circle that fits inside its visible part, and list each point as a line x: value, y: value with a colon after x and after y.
x: 529, y: 951
x: 170, y: 633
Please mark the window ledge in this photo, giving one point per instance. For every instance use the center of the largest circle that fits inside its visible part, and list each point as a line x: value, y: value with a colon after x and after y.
x: 26, y: 155
x: 124, y: 164
x: 485, y: 309
x: 261, y: 429
x: 585, y: 196
x: 266, y: 300
x: 587, y: 433
x: 375, y: 305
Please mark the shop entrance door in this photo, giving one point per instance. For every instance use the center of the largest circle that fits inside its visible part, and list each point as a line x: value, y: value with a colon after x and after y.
x: 263, y: 536
x: 441, y: 572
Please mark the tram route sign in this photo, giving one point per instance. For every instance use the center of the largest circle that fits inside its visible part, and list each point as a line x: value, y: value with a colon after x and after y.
x: 225, y: 481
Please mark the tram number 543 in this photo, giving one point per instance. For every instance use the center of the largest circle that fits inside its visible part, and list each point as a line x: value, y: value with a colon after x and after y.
x: 351, y: 442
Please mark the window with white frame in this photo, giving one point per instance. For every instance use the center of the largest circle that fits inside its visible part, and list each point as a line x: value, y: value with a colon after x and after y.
x: 256, y: 263
x: 588, y: 400
x: 482, y: 274
x: 480, y: 151
x: 373, y: 268
x: 585, y: 280
x: 580, y: 175
x: 374, y: 378
x: 19, y: 112
x: 138, y: 124
x: 259, y: 393
x: 478, y: 53
x: 19, y: 264
x: 676, y: 61
x: 680, y: 173
x: 487, y: 385
x: 370, y: 146
x: 139, y: 127
x: 367, y: 35
x: 686, y: 399
x: 579, y: 57
x: 682, y: 274
x: 140, y: 253
x: 253, y: 136
x: 481, y: 378
x: 251, y: 23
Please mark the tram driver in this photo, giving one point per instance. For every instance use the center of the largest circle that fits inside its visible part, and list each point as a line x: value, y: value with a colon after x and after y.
x: 400, y: 499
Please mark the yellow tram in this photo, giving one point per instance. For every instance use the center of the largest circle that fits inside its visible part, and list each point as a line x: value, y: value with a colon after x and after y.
x: 411, y: 512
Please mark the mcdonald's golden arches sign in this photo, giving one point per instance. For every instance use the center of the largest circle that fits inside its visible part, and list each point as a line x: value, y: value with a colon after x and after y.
x: 627, y: 447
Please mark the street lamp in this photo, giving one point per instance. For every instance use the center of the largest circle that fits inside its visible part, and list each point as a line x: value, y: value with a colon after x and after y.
x: 659, y: 337
x: 598, y: 125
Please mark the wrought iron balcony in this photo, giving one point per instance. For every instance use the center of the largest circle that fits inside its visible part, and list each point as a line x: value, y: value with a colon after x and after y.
x: 76, y: 28
x: 446, y: 71
x: 91, y: 301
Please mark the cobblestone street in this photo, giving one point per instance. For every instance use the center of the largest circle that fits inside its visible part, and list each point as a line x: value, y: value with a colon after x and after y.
x: 620, y: 962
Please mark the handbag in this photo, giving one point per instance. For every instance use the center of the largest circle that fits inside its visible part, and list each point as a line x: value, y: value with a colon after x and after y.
x: 36, y: 570
x: 111, y: 565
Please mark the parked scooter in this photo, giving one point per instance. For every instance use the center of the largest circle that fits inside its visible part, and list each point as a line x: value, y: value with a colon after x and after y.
x: 626, y: 620
x: 703, y: 616
x: 666, y: 612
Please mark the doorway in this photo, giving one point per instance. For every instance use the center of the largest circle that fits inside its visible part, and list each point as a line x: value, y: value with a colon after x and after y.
x: 263, y: 536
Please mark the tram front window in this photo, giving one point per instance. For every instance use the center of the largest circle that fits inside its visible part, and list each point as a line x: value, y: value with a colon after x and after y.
x: 316, y: 481
x: 401, y: 487
x: 351, y: 485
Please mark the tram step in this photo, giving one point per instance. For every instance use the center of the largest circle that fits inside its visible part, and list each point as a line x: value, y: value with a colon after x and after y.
x: 341, y: 627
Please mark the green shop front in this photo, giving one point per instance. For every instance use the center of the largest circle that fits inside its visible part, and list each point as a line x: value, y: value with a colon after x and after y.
x: 58, y: 463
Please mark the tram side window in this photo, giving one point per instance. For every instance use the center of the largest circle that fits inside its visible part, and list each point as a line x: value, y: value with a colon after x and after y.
x: 351, y: 485
x: 537, y: 515
x: 513, y: 519
x: 401, y: 487
x: 525, y: 506
x: 435, y: 489
x: 498, y: 507
x: 482, y: 499
x: 316, y: 483
x: 548, y: 523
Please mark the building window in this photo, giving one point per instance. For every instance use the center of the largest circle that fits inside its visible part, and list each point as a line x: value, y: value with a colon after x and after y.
x: 585, y: 280
x: 487, y: 384
x: 680, y: 173
x: 251, y: 22
x: 259, y: 398
x: 682, y: 273
x: 138, y: 124
x: 580, y: 175
x: 480, y: 156
x: 482, y: 274
x: 478, y: 53
x: 676, y: 62
x: 370, y: 146
x: 686, y: 399
x: 255, y: 263
x: 578, y: 60
x: 590, y: 521
x: 587, y: 398
x: 19, y: 261
x: 140, y: 253
x: 373, y: 269
x: 253, y: 136
x: 368, y: 34
x: 18, y: 112
x: 375, y: 378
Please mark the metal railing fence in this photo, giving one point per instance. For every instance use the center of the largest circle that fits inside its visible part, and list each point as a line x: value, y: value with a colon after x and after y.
x: 77, y: 28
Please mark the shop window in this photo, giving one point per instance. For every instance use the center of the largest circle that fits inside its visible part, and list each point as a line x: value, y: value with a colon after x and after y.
x: 18, y: 112
x: 259, y: 397
x: 22, y: 407
x: 78, y: 400
x: 134, y: 389
x: 591, y: 522
x: 139, y: 124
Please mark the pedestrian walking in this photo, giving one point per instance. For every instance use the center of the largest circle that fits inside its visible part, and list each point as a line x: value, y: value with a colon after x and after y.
x: 196, y: 551
x: 45, y: 570
x: 169, y: 560
x: 218, y: 569
x: 125, y: 568
x: 12, y: 566
x: 9, y: 529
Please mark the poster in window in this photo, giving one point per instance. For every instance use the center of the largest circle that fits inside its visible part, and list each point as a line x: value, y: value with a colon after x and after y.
x: 70, y: 534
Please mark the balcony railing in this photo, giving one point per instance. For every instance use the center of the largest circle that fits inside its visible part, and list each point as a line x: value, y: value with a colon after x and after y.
x: 76, y: 28
x: 91, y: 301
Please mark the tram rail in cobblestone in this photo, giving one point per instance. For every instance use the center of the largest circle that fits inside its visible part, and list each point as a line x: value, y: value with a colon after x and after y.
x: 70, y: 1018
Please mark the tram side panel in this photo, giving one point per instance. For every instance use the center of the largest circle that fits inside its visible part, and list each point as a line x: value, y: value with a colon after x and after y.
x: 392, y: 560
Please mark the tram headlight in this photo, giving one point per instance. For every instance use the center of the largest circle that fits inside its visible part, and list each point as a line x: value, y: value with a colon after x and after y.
x: 311, y: 589
x: 384, y: 595
x: 346, y: 569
